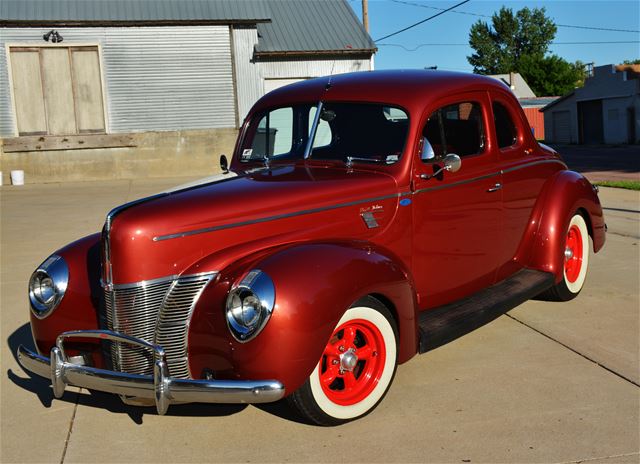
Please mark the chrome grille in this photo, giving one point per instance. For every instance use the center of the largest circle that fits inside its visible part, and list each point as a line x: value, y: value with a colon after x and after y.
x: 173, y: 323
x: 157, y: 311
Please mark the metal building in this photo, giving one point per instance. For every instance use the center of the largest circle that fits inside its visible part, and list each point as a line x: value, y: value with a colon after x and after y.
x: 605, y: 110
x: 142, y: 88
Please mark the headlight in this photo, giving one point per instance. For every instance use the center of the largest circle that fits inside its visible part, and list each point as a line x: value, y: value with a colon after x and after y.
x: 249, y: 305
x: 47, y: 286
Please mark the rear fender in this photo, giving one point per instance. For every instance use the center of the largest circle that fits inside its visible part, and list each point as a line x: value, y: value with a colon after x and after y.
x: 315, y: 283
x: 566, y: 194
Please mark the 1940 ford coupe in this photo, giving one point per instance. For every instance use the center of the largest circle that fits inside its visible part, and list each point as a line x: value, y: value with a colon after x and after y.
x: 362, y: 219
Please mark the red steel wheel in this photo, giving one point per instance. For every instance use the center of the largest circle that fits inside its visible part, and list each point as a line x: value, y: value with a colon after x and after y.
x: 353, y: 362
x: 573, y: 254
x: 576, y: 255
x: 356, y: 367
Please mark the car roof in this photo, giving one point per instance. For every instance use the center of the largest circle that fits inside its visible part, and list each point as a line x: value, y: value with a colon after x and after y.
x: 410, y: 89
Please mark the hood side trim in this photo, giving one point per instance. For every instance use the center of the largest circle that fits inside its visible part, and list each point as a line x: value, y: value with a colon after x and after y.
x: 275, y: 217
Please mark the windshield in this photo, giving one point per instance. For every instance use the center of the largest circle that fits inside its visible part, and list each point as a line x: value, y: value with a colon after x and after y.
x: 349, y: 132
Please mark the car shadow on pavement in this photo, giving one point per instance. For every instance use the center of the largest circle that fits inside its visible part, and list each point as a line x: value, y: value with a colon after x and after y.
x: 41, y: 387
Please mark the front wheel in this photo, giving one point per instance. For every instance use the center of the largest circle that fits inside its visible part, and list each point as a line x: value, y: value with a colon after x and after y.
x: 356, y: 368
x: 576, y: 262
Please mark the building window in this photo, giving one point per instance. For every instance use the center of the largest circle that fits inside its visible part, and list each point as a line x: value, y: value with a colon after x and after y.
x: 57, y: 90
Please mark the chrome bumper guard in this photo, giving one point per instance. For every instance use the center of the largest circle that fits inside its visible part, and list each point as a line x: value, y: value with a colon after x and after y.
x: 159, y: 387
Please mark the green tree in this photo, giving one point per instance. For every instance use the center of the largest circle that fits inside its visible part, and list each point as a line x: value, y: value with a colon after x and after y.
x: 550, y: 75
x: 519, y: 43
x: 499, y: 47
x: 631, y: 62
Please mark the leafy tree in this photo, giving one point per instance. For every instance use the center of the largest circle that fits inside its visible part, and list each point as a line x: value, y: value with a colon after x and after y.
x: 518, y: 43
x: 550, y: 75
x: 498, y: 47
x: 631, y: 62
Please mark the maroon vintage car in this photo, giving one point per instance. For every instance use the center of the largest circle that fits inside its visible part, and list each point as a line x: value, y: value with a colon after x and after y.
x: 363, y: 218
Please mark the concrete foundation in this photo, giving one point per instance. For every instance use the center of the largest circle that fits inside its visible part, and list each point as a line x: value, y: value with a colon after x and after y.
x: 155, y: 155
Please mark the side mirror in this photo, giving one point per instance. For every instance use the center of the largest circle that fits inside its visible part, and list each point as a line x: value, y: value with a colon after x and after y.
x: 450, y: 163
x: 224, y: 164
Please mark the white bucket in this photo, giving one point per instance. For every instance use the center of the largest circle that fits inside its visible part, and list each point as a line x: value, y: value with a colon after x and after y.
x: 17, y: 177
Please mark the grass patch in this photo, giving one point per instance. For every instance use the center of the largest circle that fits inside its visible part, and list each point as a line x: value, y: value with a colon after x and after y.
x: 623, y: 184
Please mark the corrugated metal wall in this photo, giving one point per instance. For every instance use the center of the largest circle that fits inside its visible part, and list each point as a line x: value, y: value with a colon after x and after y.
x: 251, y: 74
x: 311, y: 67
x: 248, y: 79
x: 156, y: 78
x: 6, y: 112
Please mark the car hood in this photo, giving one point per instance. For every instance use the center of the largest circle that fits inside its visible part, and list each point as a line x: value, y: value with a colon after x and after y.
x: 170, y: 233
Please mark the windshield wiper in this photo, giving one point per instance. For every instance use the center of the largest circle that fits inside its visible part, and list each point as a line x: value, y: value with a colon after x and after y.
x: 351, y: 159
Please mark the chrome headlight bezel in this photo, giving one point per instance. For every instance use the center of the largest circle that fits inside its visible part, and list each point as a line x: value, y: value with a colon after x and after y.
x: 249, y: 305
x: 48, y: 285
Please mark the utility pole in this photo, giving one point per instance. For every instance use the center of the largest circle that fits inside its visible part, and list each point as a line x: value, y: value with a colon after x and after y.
x: 365, y: 15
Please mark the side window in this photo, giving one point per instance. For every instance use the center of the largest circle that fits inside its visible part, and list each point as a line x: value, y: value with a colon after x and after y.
x: 274, y: 136
x: 456, y: 128
x: 505, y: 128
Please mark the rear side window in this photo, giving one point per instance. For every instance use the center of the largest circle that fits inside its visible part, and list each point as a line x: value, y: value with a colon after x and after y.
x: 505, y: 128
x: 456, y: 128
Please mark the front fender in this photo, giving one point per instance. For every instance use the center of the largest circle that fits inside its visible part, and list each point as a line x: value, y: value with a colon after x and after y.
x: 566, y: 194
x: 315, y: 283
x: 78, y: 309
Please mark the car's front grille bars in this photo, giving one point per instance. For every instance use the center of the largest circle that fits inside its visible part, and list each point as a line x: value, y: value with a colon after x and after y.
x: 157, y: 311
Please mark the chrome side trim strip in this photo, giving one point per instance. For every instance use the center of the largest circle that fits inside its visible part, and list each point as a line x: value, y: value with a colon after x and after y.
x: 455, y: 184
x: 487, y: 176
x: 342, y: 205
x: 534, y: 163
x: 273, y: 218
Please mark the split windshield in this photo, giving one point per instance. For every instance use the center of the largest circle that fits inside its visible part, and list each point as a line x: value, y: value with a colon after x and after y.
x: 356, y: 132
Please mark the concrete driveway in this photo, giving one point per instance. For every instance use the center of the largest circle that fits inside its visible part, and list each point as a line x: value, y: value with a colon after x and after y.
x: 546, y: 383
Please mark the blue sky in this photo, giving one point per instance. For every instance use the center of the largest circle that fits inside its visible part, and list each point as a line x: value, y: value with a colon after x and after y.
x: 387, y: 16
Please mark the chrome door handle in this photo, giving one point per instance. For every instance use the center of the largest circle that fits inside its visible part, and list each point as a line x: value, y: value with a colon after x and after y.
x: 495, y: 188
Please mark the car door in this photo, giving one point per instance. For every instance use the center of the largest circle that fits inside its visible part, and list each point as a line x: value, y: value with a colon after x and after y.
x: 524, y: 174
x: 457, y: 215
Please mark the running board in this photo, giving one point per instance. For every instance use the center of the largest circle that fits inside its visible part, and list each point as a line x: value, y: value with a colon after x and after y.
x: 442, y: 325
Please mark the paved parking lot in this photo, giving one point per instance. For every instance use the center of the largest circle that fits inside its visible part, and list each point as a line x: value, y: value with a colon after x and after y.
x: 603, y: 162
x: 545, y: 383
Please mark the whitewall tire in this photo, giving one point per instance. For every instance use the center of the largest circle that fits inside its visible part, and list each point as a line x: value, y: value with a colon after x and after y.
x: 356, y: 368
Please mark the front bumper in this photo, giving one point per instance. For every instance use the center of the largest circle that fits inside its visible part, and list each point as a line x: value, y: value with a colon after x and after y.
x: 160, y: 387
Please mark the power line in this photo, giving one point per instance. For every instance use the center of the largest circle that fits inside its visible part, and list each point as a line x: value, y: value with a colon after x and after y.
x: 423, y: 21
x: 418, y: 46
x: 598, y: 28
x: 404, y: 2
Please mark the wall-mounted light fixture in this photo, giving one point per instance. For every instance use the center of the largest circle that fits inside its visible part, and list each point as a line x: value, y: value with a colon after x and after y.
x: 53, y: 35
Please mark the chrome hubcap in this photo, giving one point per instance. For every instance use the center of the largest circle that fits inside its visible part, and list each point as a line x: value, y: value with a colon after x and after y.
x: 348, y: 360
x: 568, y: 253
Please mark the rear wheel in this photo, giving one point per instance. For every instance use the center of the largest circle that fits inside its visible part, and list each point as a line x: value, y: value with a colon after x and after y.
x: 356, y: 368
x: 576, y: 262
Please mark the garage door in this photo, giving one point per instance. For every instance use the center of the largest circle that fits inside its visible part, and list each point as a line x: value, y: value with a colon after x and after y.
x: 561, y: 126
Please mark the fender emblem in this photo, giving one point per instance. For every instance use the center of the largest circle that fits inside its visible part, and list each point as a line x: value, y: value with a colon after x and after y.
x: 369, y: 220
